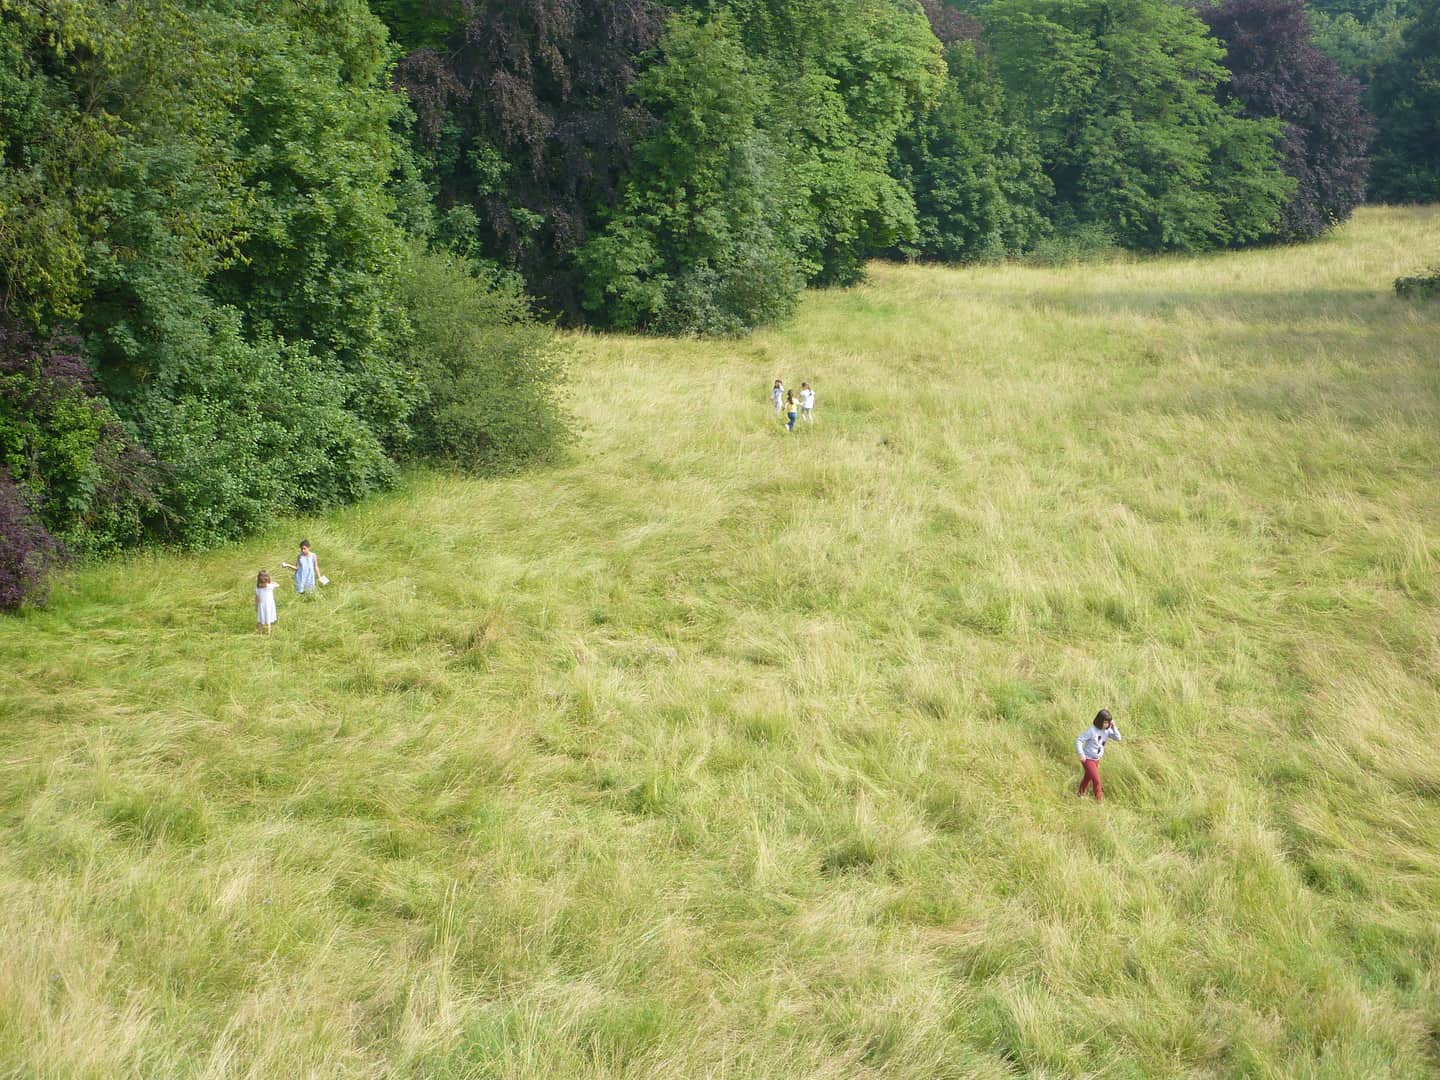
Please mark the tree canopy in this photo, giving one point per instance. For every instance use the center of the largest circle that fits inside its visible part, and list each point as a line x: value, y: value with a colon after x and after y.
x: 1406, y: 95
x: 1122, y: 98
x: 255, y: 255
x: 1277, y: 72
x: 526, y: 117
x: 198, y: 204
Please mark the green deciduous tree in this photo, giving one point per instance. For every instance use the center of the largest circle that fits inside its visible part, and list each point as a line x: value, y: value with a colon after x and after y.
x: 973, y: 168
x: 847, y: 77
x: 1360, y: 46
x: 703, y: 238
x: 45, y: 141
x: 1406, y: 99
x: 316, y: 148
x: 1121, y: 96
x: 208, y: 187
x: 491, y: 371
x: 241, y: 310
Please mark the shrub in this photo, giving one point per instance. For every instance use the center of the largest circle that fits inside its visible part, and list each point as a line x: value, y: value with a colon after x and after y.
x: 491, y: 372
x: 251, y: 429
x: 27, y: 550
x: 89, y: 482
x: 756, y: 281
x: 1420, y: 287
x: 1090, y: 242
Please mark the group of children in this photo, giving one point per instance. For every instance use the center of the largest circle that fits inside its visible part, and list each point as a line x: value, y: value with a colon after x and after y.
x: 307, y: 579
x: 791, y: 407
x: 1089, y: 746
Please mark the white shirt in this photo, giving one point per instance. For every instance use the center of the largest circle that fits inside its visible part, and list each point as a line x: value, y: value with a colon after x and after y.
x: 1091, y: 743
x: 807, y: 398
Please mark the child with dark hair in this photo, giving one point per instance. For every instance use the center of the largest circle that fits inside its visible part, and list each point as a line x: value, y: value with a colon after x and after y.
x: 306, y: 567
x: 1090, y: 747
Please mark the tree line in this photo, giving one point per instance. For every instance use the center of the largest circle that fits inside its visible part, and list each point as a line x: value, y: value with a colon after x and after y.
x: 223, y: 295
x: 1393, y: 48
x: 257, y: 254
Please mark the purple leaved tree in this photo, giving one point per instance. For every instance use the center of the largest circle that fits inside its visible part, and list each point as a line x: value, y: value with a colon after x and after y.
x: 1276, y: 71
x: 27, y: 550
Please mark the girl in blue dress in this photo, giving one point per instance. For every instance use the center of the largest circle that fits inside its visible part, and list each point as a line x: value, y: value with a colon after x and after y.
x: 306, y: 567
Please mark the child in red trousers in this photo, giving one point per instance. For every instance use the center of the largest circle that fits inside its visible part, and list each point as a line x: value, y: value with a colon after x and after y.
x: 1090, y: 747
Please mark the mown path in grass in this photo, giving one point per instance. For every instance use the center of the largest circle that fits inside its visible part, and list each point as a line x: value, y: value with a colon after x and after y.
x: 720, y: 752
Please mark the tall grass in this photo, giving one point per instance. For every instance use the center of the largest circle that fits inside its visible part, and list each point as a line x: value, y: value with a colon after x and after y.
x: 721, y: 752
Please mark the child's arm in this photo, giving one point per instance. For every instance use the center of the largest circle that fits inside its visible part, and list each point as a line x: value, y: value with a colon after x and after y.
x: 288, y: 566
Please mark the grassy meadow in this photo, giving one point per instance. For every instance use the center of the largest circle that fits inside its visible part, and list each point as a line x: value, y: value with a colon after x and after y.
x: 717, y: 752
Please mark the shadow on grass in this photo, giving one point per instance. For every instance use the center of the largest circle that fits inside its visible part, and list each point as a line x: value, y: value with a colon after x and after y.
x: 1281, y: 307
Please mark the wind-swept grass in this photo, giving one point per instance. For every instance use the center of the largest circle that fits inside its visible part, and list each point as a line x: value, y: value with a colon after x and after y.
x: 718, y: 752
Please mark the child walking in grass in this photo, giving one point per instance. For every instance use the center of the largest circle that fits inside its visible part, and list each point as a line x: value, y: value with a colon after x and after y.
x: 807, y: 403
x: 777, y: 396
x: 264, y: 602
x: 1090, y: 747
x: 306, y: 567
x: 792, y: 410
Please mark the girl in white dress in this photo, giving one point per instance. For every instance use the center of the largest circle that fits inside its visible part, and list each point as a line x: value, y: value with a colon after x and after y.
x: 265, y: 602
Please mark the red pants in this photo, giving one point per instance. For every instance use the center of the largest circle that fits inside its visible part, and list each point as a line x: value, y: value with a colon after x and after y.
x: 1092, y: 776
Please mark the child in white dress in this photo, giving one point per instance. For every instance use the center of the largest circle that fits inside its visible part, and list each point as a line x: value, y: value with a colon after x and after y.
x: 265, y: 602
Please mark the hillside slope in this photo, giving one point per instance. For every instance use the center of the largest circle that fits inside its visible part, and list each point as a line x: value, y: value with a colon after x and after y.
x: 724, y: 752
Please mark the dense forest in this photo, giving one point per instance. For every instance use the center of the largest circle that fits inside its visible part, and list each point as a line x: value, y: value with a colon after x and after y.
x: 255, y: 255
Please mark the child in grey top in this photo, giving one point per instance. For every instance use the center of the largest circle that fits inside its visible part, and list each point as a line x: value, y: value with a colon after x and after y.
x: 1090, y: 748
